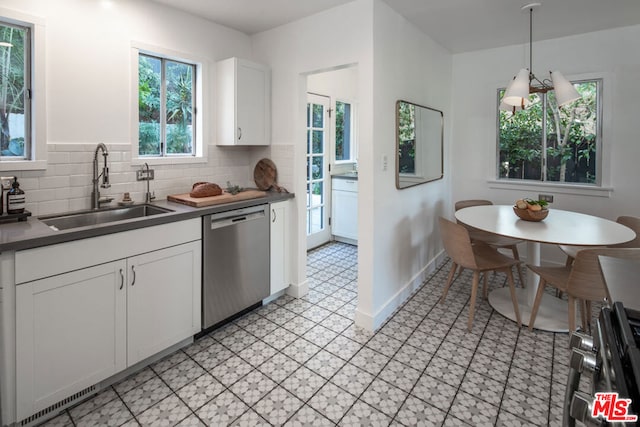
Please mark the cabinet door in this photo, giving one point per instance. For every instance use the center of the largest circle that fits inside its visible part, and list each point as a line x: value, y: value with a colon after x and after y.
x: 163, y: 307
x: 279, y: 246
x: 243, y: 103
x: 70, y: 334
x: 252, y: 104
x: 345, y: 217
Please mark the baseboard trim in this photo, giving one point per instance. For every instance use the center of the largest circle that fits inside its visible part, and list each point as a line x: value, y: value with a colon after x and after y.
x: 298, y: 290
x: 373, y: 322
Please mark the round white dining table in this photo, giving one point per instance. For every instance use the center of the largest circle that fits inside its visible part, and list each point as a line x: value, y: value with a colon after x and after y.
x: 558, y: 228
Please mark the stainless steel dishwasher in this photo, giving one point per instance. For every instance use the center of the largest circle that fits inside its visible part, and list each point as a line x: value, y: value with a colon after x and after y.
x: 235, y: 259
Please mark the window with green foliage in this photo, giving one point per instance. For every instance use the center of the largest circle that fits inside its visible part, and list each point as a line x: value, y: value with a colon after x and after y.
x: 549, y: 143
x: 15, y: 100
x: 344, y: 131
x: 166, y: 105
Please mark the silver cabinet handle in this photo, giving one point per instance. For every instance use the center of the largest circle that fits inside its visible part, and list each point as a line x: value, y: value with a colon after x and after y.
x: 239, y: 133
x: 133, y: 270
x: 121, y: 279
x: 273, y: 211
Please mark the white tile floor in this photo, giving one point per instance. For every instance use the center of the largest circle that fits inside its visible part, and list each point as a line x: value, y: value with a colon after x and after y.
x: 302, y: 362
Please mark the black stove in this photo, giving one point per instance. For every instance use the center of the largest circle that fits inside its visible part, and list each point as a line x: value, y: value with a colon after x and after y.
x: 611, y: 359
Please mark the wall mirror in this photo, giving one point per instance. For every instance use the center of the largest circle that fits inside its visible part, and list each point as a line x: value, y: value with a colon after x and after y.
x: 419, y: 142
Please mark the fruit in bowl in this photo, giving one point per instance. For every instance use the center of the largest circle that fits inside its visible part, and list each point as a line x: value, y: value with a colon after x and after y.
x: 532, y: 205
x: 531, y: 210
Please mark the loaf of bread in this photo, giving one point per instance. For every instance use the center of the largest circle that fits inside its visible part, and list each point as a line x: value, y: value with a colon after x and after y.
x: 205, y: 189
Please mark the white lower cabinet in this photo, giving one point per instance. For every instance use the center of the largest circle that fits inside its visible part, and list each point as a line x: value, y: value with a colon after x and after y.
x: 280, y: 253
x: 79, y: 328
x: 344, y: 203
x: 71, y: 333
x: 161, y: 292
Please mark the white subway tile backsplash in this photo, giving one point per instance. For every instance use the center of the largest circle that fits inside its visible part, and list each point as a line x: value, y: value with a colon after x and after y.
x: 40, y: 195
x: 66, y: 184
x: 56, y: 157
x: 55, y: 182
x: 79, y: 180
x: 80, y: 157
x: 29, y: 184
x: 54, y: 206
x: 78, y: 204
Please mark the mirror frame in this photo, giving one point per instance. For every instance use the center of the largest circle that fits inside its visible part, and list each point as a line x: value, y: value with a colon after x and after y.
x: 430, y: 177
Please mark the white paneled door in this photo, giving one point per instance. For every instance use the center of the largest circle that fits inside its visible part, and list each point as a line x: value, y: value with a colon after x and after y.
x: 318, y: 179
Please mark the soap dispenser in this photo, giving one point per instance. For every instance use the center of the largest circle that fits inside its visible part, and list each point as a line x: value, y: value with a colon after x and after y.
x: 15, y: 198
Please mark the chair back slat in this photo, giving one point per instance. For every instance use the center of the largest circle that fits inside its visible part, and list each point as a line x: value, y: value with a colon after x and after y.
x: 457, y: 243
x: 468, y: 203
x: 633, y: 223
x: 585, y: 280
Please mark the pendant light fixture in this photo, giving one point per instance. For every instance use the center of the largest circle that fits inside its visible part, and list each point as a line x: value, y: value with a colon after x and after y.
x: 516, y: 96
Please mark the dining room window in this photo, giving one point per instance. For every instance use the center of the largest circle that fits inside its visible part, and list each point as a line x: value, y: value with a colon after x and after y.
x: 553, y: 144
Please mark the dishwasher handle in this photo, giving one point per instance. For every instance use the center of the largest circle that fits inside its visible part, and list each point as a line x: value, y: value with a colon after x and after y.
x: 237, y: 219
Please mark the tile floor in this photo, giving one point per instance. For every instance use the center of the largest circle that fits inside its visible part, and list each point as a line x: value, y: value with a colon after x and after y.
x: 299, y: 362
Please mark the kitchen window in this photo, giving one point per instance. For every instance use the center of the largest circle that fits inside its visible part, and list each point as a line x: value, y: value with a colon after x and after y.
x: 344, y: 132
x: 15, y: 99
x: 167, y: 107
x: 551, y: 144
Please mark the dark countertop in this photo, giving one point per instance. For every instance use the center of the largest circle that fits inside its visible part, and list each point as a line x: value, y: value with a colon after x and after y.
x: 34, y: 233
x: 347, y: 175
x: 621, y: 277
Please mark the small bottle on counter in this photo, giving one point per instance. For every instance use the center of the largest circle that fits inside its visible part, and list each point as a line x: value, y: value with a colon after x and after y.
x: 16, y: 198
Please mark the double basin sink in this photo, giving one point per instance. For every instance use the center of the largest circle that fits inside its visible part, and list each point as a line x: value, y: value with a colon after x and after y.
x: 78, y: 219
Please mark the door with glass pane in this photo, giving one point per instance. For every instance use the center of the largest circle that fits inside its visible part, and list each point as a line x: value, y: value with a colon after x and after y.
x: 318, y: 180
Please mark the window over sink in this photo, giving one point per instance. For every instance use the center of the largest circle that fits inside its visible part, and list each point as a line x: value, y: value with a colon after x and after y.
x: 168, y: 97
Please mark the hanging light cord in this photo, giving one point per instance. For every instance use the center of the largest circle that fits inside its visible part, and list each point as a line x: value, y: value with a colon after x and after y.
x: 531, y: 76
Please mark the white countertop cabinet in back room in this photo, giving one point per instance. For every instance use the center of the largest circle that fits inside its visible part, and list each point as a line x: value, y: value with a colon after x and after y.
x: 243, y: 103
x: 344, y: 206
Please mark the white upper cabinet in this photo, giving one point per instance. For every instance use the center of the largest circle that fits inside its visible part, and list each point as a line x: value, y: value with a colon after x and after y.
x: 243, y: 103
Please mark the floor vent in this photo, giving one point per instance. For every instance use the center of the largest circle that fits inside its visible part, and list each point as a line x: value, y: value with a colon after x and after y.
x: 56, y: 407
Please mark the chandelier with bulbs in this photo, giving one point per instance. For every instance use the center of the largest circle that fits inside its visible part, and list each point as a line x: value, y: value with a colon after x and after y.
x: 516, y: 96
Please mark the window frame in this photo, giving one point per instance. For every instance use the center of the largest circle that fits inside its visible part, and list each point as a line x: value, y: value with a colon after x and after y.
x: 35, y: 130
x: 600, y: 181
x: 352, y: 132
x: 199, y: 153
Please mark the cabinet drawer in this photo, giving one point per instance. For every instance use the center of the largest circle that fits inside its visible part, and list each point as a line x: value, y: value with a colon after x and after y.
x: 36, y: 263
x: 345, y: 184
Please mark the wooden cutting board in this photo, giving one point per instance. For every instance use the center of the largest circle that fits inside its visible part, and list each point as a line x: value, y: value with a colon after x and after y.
x: 199, y: 202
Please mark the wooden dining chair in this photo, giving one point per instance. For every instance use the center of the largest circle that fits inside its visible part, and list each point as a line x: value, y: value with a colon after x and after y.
x: 582, y: 282
x: 491, y: 239
x: 480, y: 258
x: 630, y: 221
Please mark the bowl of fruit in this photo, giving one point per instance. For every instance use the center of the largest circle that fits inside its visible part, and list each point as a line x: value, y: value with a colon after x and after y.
x: 531, y: 210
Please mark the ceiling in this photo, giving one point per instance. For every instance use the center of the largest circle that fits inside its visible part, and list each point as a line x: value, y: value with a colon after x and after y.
x: 458, y: 25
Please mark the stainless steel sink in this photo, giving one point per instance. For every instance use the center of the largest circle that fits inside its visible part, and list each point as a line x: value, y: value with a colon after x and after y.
x: 94, y: 217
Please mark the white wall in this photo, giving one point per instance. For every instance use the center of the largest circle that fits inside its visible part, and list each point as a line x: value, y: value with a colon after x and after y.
x: 394, y: 60
x: 341, y: 84
x: 408, y: 65
x: 613, y: 55
x: 89, y: 97
x: 325, y: 41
